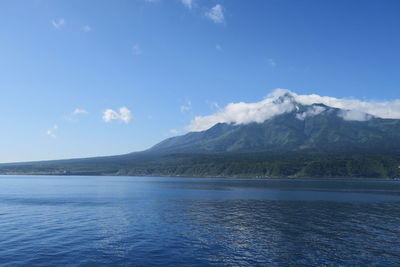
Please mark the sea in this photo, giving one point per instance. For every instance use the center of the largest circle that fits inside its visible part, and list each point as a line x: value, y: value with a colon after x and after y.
x: 160, y: 221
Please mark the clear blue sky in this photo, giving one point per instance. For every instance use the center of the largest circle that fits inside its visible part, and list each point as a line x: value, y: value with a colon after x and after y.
x: 170, y: 60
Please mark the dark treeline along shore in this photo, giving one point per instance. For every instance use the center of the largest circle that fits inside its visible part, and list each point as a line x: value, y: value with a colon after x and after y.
x: 322, y: 145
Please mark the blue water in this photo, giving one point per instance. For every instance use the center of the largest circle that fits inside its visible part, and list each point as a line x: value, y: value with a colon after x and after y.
x: 148, y: 221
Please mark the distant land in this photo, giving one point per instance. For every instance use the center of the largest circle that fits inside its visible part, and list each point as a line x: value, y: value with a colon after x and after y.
x: 306, y: 141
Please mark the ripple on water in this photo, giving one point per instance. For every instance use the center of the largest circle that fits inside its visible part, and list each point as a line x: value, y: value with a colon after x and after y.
x: 197, y: 222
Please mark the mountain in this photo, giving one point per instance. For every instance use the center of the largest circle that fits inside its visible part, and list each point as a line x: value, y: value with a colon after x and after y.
x: 303, y: 141
x: 325, y: 132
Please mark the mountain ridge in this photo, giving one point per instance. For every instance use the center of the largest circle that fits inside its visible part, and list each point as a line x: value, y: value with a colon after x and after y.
x: 303, y: 141
x: 282, y: 132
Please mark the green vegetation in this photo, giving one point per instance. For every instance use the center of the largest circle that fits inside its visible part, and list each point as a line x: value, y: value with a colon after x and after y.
x: 322, y: 145
x: 221, y: 165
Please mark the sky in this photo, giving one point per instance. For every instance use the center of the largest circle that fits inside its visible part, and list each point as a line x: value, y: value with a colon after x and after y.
x: 94, y: 78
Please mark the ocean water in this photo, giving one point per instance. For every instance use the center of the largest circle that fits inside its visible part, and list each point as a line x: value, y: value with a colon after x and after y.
x: 150, y: 221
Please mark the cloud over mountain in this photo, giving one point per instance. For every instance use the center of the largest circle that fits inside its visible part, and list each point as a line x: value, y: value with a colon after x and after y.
x: 281, y: 101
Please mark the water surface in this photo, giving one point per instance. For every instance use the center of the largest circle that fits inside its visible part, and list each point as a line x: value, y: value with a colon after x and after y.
x: 150, y: 221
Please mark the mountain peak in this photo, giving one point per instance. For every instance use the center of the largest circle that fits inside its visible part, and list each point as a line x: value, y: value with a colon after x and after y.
x: 283, y: 101
x: 286, y: 97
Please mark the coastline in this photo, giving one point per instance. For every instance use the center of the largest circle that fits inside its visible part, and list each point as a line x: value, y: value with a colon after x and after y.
x: 208, y: 177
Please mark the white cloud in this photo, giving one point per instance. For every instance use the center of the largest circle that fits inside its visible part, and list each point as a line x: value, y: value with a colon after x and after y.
x: 79, y: 111
x: 242, y: 113
x: 274, y: 104
x: 187, y: 3
x: 51, y: 132
x: 136, y: 50
x: 354, y: 115
x: 216, y: 14
x: 311, y: 111
x: 382, y: 109
x: 123, y: 115
x: 86, y: 28
x: 186, y: 107
x: 272, y: 62
x: 58, y: 24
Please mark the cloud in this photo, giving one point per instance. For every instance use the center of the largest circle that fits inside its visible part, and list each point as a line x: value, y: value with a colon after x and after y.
x: 213, y: 105
x: 186, y: 107
x: 354, y: 115
x: 275, y: 104
x: 218, y: 47
x: 311, y: 111
x: 173, y: 132
x: 242, y: 113
x: 272, y: 62
x: 216, y: 14
x: 86, y: 28
x: 187, y: 3
x: 382, y: 109
x: 123, y: 115
x: 136, y: 50
x: 51, y: 132
x: 79, y: 111
x: 58, y: 24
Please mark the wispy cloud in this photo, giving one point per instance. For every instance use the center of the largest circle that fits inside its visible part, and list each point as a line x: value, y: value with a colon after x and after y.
x: 216, y: 14
x: 51, y: 132
x: 218, y: 47
x: 136, y: 50
x: 79, y: 111
x: 86, y: 28
x: 213, y: 105
x: 186, y: 107
x: 173, y: 132
x: 244, y: 113
x: 123, y: 115
x: 272, y: 62
x: 187, y: 3
x: 59, y: 23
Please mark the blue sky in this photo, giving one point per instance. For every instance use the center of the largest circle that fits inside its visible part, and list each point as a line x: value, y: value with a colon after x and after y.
x: 165, y: 62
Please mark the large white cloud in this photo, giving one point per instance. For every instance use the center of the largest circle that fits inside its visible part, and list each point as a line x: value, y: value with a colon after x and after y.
x: 274, y: 104
x: 123, y: 115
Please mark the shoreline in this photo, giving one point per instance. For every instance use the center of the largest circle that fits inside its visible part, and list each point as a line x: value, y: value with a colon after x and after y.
x: 207, y: 177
